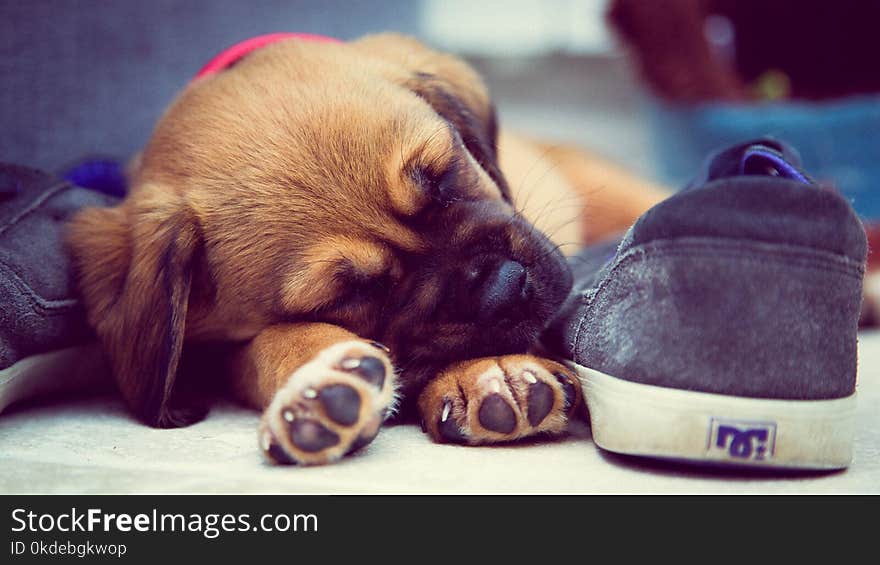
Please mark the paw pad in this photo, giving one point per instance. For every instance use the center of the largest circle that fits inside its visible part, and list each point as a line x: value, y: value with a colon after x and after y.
x: 496, y: 414
x: 447, y: 427
x: 540, y: 402
x: 311, y: 436
x: 494, y: 400
x: 371, y: 369
x: 341, y: 403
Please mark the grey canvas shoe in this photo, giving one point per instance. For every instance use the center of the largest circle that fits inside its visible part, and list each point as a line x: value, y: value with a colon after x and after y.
x: 722, y: 328
x: 45, y: 340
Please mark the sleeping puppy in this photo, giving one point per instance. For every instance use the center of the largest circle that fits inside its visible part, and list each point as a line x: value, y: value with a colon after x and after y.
x: 335, y: 225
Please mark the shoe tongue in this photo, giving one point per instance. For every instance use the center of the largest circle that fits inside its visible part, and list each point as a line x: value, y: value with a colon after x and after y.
x: 760, y: 157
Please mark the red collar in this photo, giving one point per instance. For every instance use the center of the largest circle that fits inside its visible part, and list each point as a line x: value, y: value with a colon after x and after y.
x: 230, y: 56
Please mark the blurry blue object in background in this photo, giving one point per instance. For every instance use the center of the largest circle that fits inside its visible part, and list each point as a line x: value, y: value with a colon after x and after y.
x: 839, y: 140
x: 105, y: 175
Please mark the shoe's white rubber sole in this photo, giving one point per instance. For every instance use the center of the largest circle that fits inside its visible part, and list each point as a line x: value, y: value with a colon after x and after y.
x: 655, y: 421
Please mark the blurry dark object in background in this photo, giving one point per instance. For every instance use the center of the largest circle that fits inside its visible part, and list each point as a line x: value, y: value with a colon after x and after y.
x: 672, y: 53
x: 827, y: 49
x: 693, y: 50
x: 721, y: 71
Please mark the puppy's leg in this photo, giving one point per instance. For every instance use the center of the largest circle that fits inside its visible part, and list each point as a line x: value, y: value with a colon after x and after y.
x: 498, y: 399
x: 324, y: 391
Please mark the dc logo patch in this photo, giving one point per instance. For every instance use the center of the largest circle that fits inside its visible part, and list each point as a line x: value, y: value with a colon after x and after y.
x: 742, y: 440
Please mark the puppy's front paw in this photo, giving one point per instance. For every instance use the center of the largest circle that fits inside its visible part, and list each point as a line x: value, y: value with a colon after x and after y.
x: 499, y: 399
x: 331, y: 406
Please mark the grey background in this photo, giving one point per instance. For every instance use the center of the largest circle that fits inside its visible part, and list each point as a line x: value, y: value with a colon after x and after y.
x: 90, y: 77
x: 82, y: 77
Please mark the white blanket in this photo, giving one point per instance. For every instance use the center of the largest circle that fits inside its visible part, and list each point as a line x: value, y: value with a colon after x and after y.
x: 93, y: 446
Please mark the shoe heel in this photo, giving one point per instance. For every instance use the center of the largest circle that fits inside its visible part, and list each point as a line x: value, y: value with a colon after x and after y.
x: 726, y: 351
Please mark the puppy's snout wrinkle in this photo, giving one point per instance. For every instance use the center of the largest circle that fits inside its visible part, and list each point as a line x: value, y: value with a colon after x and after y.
x: 504, y: 288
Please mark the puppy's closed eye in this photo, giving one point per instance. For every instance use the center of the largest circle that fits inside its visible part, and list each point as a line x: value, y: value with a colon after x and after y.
x: 354, y: 284
x: 475, y: 128
x: 442, y: 185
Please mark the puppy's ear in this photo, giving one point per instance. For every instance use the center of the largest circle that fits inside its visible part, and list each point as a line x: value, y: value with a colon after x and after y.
x: 480, y: 135
x: 451, y: 87
x: 135, y: 268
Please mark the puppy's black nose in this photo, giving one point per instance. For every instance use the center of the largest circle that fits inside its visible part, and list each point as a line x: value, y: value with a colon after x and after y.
x: 504, y: 288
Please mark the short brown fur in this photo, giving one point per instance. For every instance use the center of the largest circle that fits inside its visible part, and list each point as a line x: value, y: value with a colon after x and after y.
x: 266, y: 189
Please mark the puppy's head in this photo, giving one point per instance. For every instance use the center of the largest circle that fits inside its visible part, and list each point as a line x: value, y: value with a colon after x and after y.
x: 350, y: 184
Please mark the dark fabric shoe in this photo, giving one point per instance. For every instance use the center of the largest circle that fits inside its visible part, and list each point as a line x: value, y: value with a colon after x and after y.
x: 42, y: 324
x: 722, y: 328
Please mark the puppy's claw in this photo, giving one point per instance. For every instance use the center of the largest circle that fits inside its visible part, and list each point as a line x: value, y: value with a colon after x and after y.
x: 273, y: 451
x: 447, y: 428
x: 450, y: 432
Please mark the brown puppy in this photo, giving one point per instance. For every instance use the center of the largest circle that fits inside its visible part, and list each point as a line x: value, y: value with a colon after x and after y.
x: 315, y: 199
